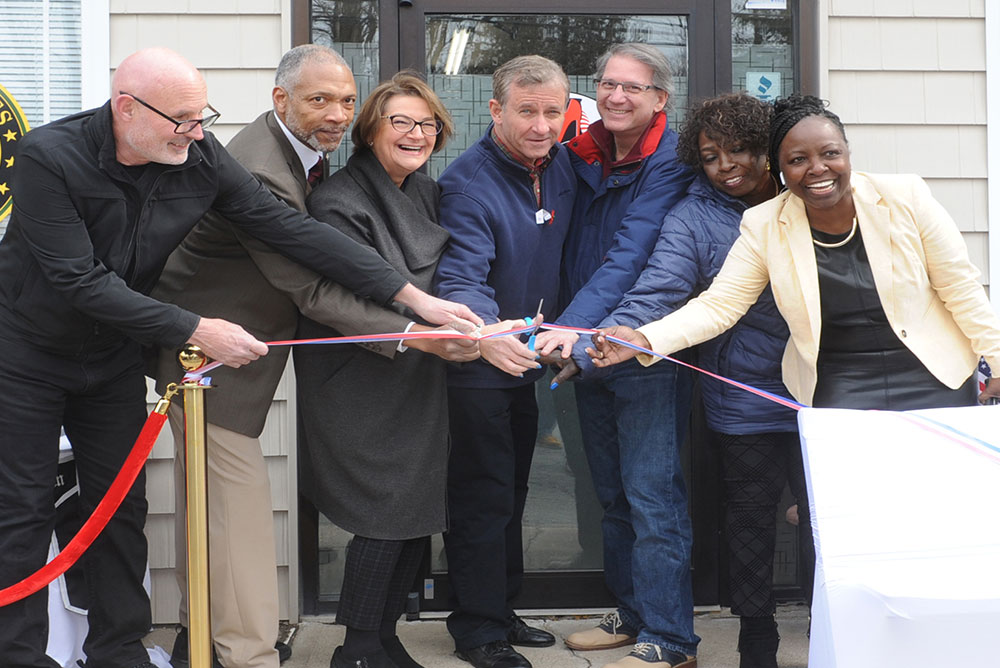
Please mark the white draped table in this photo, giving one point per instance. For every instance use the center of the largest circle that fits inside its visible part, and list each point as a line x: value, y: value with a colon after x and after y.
x: 906, y: 516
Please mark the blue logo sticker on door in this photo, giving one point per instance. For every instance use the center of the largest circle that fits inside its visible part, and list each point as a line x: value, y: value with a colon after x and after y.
x: 764, y: 86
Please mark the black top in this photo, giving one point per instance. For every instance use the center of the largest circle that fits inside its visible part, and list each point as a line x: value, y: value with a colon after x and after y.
x: 862, y: 363
x: 853, y: 317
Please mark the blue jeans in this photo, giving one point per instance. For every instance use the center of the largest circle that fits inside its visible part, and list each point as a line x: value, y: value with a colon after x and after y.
x: 633, y: 422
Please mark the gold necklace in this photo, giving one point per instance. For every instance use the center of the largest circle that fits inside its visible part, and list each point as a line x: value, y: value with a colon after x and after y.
x: 838, y: 244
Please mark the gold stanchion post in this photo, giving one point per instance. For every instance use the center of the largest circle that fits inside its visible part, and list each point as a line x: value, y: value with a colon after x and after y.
x: 199, y: 624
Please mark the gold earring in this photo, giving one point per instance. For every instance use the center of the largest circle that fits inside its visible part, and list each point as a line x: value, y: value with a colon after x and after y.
x: 767, y: 165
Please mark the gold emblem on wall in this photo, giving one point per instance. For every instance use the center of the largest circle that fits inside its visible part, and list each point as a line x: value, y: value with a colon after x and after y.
x: 13, y: 125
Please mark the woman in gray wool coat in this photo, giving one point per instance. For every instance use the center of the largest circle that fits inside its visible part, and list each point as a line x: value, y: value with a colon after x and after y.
x: 374, y: 417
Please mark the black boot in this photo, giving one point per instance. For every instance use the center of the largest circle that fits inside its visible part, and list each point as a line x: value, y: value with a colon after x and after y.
x: 758, y: 642
x: 179, y: 654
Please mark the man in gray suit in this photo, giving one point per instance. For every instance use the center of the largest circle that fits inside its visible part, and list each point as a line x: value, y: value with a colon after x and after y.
x: 219, y: 271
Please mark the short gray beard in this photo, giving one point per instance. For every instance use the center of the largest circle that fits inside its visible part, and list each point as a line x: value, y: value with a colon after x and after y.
x: 310, y: 140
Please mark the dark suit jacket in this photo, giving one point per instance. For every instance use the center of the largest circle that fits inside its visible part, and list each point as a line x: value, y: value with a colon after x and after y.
x: 220, y: 272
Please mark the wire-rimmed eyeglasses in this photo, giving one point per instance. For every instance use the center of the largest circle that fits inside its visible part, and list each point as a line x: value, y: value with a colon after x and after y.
x: 182, y: 127
x: 403, y: 124
x: 628, y: 87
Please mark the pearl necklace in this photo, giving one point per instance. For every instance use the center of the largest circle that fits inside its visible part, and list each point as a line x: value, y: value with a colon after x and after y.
x: 838, y: 244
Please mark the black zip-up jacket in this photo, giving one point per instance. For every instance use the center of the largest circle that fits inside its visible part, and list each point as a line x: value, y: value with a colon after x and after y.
x: 88, y: 237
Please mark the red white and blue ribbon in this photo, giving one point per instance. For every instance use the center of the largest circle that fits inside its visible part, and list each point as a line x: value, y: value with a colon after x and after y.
x: 531, y: 328
x: 954, y: 436
x: 776, y: 398
x: 372, y: 338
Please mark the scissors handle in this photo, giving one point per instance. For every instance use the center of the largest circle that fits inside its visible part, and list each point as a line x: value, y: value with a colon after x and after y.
x: 531, y: 338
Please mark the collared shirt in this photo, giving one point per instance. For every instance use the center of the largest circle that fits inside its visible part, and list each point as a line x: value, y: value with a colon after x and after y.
x: 534, y: 170
x: 307, y: 154
x: 644, y: 147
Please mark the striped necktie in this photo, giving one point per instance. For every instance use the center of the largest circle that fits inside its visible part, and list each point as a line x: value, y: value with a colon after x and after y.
x: 315, y: 173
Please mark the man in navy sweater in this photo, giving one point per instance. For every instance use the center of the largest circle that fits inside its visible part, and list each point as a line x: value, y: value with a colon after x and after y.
x: 507, y: 203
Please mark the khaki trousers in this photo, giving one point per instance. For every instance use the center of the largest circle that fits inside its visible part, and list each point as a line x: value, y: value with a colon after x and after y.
x: 242, y: 563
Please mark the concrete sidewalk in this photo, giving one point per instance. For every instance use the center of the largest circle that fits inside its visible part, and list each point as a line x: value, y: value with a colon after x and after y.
x: 428, y: 641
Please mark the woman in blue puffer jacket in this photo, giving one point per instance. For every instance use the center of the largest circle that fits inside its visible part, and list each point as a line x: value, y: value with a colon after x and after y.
x: 726, y: 138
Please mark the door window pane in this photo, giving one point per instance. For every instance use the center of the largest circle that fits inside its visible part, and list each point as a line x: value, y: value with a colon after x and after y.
x: 764, y: 65
x: 463, y: 50
x: 562, y: 516
x: 763, y: 51
x: 350, y: 27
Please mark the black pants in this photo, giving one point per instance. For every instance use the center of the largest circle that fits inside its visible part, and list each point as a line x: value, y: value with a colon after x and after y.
x: 100, y: 398
x: 756, y: 469
x: 492, y: 441
x: 378, y: 575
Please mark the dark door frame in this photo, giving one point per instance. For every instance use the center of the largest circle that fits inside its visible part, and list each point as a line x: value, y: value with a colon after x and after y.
x: 807, y: 27
x: 709, y: 67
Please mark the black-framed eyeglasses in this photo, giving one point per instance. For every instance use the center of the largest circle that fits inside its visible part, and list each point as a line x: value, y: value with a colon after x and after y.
x: 182, y: 127
x: 628, y: 87
x: 403, y: 124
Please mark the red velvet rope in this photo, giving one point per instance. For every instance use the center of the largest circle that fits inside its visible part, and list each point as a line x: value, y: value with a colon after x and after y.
x: 96, y: 523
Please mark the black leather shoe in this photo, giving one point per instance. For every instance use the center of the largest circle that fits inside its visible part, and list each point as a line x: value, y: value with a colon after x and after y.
x: 523, y: 635
x: 495, y: 654
x: 378, y: 659
x: 179, y: 654
x: 284, y: 651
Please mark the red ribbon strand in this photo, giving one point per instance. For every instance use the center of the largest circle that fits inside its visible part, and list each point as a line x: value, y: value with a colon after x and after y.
x: 96, y: 523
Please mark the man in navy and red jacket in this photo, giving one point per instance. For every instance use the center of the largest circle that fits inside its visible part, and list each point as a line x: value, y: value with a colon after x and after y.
x: 632, y: 421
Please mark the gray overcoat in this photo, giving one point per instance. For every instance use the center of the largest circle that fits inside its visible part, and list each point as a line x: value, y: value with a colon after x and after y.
x: 374, y: 430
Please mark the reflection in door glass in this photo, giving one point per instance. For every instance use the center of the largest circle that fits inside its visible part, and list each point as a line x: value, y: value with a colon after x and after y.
x: 562, y: 517
x: 763, y: 51
x: 349, y: 27
x: 462, y: 51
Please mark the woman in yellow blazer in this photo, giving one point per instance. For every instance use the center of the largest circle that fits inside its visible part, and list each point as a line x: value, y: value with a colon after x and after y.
x: 869, y: 271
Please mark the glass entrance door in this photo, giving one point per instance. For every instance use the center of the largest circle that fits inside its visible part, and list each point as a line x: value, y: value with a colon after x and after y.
x: 458, y: 45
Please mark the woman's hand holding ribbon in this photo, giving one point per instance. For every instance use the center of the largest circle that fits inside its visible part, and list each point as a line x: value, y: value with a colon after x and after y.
x: 453, y: 350
x: 606, y: 352
x: 433, y: 309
